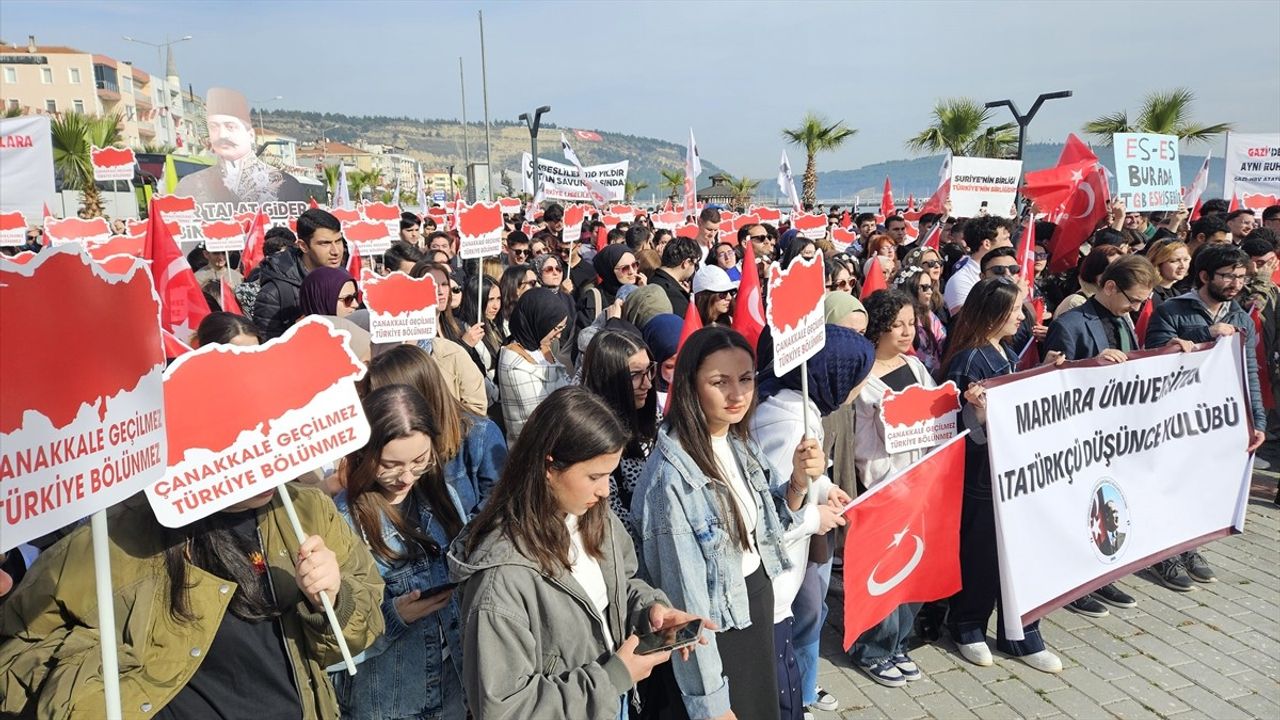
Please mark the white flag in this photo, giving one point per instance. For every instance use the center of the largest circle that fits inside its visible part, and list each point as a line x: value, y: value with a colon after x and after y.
x: 787, y: 183
x: 422, y: 190
x: 692, y: 163
x: 944, y: 172
x: 1198, y: 186
x: 341, y: 194
x: 598, y: 191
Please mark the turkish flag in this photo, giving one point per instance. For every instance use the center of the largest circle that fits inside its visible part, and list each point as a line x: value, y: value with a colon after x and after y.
x: 181, y: 301
x: 1051, y: 188
x: 354, y: 265
x: 227, y: 298
x: 1027, y: 255
x: 874, y: 280
x: 173, y: 347
x: 1085, y: 207
x: 312, y: 204
x: 748, y: 310
x: 255, y: 240
x: 903, y: 543
x: 887, y: 207
x: 933, y: 240
x: 1264, y: 371
x: 1144, y: 319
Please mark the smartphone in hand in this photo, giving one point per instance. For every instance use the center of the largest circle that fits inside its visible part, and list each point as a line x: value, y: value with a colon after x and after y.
x: 671, y: 638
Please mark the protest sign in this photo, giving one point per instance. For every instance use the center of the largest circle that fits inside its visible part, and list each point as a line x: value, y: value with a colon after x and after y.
x: 1148, y: 176
x: 128, y: 245
x: 222, y: 236
x: 919, y: 417
x: 401, y: 308
x: 384, y: 213
x: 688, y: 230
x: 346, y: 215
x: 563, y: 182
x: 74, y: 230
x: 809, y: 225
x: 1253, y: 169
x: 668, y: 220
x: 369, y: 237
x: 26, y: 165
x: 624, y: 213
x: 175, y: 208
x: 510, y: 205
x: 480, y: 230
x: 1101, y: 469
x: 842, y: 238
x: 265, y: 433
x: 80, y: 440
x: 573, y: 217
x: 766, y: 215
x: 983, y: 186
x: 794, y: 312
x: 13, y: 229
x: 111, y: 164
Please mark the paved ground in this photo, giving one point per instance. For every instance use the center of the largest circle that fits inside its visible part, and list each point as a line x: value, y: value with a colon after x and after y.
x: 1213, y: 653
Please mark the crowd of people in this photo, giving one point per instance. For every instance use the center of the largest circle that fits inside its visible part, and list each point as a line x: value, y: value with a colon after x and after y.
x: 555, y: 479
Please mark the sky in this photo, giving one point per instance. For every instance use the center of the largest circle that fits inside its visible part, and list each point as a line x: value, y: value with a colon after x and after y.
x: 736, y: 72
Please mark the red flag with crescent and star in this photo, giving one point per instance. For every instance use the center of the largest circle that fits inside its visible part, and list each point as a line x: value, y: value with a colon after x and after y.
x: 904, y: 539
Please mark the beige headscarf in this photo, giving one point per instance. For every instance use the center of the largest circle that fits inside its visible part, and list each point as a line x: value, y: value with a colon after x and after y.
x: 642, y: 305
x: 838, y: 305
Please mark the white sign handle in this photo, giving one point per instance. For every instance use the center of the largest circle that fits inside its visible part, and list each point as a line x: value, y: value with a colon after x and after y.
x: 324, y: 597
x: 804, y: 390
x: 106, y: 614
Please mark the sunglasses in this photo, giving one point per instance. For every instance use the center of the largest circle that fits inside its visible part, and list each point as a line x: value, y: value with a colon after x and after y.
x: 727, y: 293
x: 349, y: 300
x: 1002, y: 270
x: 455, y: 289
x: 930, y: 264
x: 628, y: 268
x: 926, y: 288
x: 758, y: 238
x: 520, y: 253
x: 1042, y: 256
x: 528, y: 283
x: 547, y: 269
x: 841, y: 285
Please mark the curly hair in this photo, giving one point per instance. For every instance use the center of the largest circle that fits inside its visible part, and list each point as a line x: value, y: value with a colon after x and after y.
x: 882, y: 311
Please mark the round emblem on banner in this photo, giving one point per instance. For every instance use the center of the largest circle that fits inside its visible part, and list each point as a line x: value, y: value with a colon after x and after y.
x: 1109, y: 521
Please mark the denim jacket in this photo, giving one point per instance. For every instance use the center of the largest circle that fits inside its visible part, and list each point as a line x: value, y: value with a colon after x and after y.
x: 474, y: 471
x: 400, y: 675
x: 686, y: 551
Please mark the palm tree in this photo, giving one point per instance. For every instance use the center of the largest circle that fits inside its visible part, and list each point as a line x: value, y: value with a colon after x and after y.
x: 331, y: 178
x: 672, y: 181
x: 73, y: 134
x: 630, y: 189
x: 742, y: 189
x: 459, y: 184
x: 357, y: 181
x: 960, y: 126
x: 815, y: 135
x: 373, y: 178
x: 1166, y: 113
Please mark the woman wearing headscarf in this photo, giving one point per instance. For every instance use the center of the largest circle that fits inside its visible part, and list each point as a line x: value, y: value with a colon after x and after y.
x: 845, y: 310
x: 662, y: 335
x: 615, y: 266
x: 835, y: 375
x: 644, y: 304
x: 528, y: 369
x: 329, y: 291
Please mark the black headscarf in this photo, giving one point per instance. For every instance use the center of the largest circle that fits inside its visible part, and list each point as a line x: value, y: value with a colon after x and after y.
x: 604, y: 262
x: 537, y: 313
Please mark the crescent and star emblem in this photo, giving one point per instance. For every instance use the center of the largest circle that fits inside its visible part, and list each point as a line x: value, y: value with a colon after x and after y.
x: 875, y: 587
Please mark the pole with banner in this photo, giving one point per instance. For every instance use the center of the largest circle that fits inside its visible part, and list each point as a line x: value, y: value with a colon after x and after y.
x: 794, y: 315
x: 480, y: 236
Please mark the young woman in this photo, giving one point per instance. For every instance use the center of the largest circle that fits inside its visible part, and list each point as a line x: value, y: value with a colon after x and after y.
x: 977, y: 352
x: 615, y: 266
x: 618, y: 368
x: 711, y: 511
x: 884, y: 249
x: 219, y: 618
x: 713, y: 295
x: 329, y: 291
x: 840, y: 279
x: 881, y: 651
x: 550, y: 271
x: 662, y: 336
x: 1172, y: 260
x: 550, y: 601
x: 470, y: 447
x: 930, y: 334
x: 725, y: 256
x: 515, y: 281
x: 470, y: 316
x: 528, y: 369
x: 224, y: 328
x: 397, y: 500
x: 845, y: 310
x: 836, y: 373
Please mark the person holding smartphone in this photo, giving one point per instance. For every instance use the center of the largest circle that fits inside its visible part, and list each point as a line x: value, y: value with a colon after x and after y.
x: 553, y: 612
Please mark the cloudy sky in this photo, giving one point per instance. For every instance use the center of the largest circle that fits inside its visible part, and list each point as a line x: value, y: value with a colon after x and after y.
x: 737, y: 72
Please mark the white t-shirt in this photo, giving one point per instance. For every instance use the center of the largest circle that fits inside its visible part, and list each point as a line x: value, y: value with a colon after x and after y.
x: 586, y: 570
x: 743, y: 497
x: 959, y: 285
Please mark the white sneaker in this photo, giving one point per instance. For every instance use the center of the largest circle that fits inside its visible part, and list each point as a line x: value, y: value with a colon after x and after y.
x: 1260, y: 464
x: 1044, y: 661
x: 977, y: 653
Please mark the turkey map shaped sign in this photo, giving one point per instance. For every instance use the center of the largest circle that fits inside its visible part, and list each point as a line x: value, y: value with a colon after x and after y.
x: 480, y: 230
x: 573, y: 217
x: 81, y: 399
x: 371, y: 237
x: 75, y: 230
x: 794, y: 312
x: 813, y: 227
x: 175, y: 210
x: 401, y: 308
x: 668, y: 220
x: 384, y: 213
x: 13, y: 229
x: 111, y: 163
x: 222, y: 236
x: 265, y: 432
x: 918, y: 417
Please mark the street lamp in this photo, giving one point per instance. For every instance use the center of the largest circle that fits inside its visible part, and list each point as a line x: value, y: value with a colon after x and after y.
x: 1025, y: 120
x: 258, y: 104
x: 163, y: 71
x: 533, y: 124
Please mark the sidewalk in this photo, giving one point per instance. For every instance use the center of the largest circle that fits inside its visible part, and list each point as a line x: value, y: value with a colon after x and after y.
x: 1211, y: 653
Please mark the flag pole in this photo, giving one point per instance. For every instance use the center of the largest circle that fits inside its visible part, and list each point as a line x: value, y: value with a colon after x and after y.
x: 106, y: 614
x: 804, y: 405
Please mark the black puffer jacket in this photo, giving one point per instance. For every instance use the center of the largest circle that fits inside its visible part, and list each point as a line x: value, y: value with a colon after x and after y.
x: 277, y: 306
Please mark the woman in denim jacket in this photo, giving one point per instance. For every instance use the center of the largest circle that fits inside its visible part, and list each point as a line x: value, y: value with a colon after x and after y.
x: 397, y: 501
x: 470, y: 447
x: 711, y: 524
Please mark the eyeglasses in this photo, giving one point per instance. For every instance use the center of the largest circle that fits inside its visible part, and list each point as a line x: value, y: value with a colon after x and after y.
x: 527, y: 283
x: 638, y: 377
x: 520, y: 253
x: 930, y: 264
x: 840, y: 285
x: 349, y: 300
x: 1138, y: 303
x: 625, y: 269
x: 549, y: 269
x: 1042, y: 256
x: 415, y: 469
x: 1002, y: 270
x: 1233, y: 278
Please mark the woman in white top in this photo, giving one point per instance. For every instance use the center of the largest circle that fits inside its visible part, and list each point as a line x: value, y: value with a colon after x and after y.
x: 528, y: 369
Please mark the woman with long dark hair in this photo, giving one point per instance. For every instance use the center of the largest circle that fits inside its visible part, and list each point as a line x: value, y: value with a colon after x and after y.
x: 224, y: 328
x: 514, y: 282
x: 550, y: 600
x: 458, y: 362
x: 528, y: 368
x: 930, y: 334
x: 397, y: 500
x: 711, y: 511
x: 978, y: 352
x: 619, y: 369
x: 470, y: 316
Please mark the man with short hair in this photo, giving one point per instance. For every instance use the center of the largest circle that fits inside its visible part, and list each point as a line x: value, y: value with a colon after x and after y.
x: 1140, y: 223
x: 1214, y: 206
x: 895, y: 226
x: 553, y: 221
x: 866, y: 225
x: 761, y: 242
x: 1241, y: 222
x: 401, y: 256
x: 1271, y: 218
x: 411, y: 229
x: 518, y: 252
x: 639, y: 237
x: 441, y: 241
x: 680, y: 260
x: 1262, y: 294
x: 1208, y: 230
x: 981, y: 235
x: 708, y: 228
x: 319, y: 245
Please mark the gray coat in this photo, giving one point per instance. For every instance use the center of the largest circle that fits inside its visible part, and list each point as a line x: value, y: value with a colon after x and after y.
x: 532, y: 644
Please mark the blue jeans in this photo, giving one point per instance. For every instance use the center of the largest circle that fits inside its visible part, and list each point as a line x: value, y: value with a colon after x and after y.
x: 810, y: 612
x: 886, y: 638
x: 453, y: 697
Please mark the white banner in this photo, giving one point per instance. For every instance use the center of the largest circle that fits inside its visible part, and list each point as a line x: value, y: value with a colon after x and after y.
x: 26, y: 166
x: 983, y: 186
x: 1148, y: 176
x: 1099, y: 470
x: 1253, y: 169
x: 562, y: 182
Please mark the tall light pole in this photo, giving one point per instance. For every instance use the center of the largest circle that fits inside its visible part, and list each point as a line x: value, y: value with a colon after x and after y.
x: 533, y: 123
x: 1025, y: 120
x: 484, y: 89
x: 163, y: 71
x: 258, y: 104
x: 466, y: 143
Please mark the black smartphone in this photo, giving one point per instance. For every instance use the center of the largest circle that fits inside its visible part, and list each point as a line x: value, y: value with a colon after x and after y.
x: 431, y: 592
x: 671, y: 638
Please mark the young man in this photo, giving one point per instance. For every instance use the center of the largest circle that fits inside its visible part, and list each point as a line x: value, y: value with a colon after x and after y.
x: 401, y: 256
x: 1208, y: 312
x: 708, y: 229
x: 518, y: 252
x: 319, y: 245
x: 1208, y: 230
x: 981, y: 236
x: 1241, y: 222
x: 1271, y: 218
x: 761, y: 242
x: 411, y: 229
x: 896, y: 227
x: 680, y: 260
